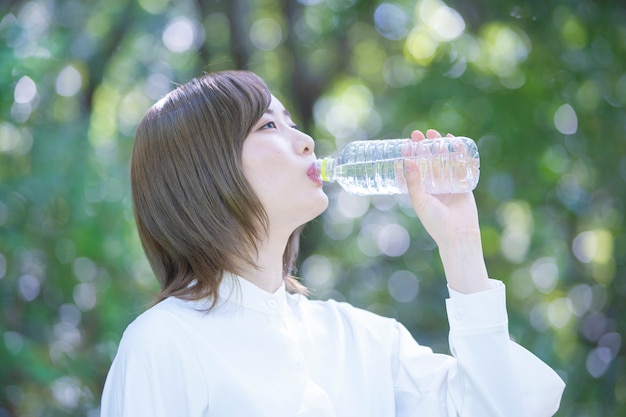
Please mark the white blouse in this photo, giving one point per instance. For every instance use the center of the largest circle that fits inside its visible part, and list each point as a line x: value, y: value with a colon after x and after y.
x: 281, y: 355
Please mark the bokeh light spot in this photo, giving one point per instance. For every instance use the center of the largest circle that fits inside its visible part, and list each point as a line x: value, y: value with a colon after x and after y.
x: 593, y: 246
x: 25, y: 90
x: 573, y: 33
x: 29, y: 287
x: 85, y: 296
x: 266, y: 34
x: 446, y: 23
x: 421, y: 46
x: 391, y: 21
x: 68, y: 82
x: 393, y: 240
x: 565, y: 120
x: 67, y: 391
x: 559, y: 313
x: 598, y: 361
x: 352, y: 206
x: 14, y: 342
x: 182, y: 34
x: 153, y: 6
x: 516, y: 218
x: 398, y: 73
x: 545, y: 274
x: 84, y: 269
x: 581, y: 297
x: 367, y: 240
x: 403, y: 286
x: 317, y: 270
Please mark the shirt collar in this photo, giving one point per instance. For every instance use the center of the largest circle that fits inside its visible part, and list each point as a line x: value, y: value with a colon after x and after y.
x: 240, y: 291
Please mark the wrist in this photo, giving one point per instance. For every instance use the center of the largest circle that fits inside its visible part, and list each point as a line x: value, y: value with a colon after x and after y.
x: 464, y: 264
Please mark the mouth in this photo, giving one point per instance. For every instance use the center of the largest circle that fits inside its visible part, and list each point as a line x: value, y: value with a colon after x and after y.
x: 313, y: 174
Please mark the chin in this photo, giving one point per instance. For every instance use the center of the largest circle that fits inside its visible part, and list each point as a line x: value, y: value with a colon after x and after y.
x: 318, y: 205
x: 323, y: 202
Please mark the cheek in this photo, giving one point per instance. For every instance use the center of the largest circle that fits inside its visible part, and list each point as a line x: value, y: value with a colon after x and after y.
x: 263, y: 165
x: 263, y: 178
x: 260, y: 170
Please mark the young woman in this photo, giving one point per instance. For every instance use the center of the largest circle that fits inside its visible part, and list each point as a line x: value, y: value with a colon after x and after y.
x: 222, y: 184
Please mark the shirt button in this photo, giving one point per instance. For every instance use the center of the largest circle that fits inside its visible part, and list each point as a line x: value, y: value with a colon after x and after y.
x: 271, y: 304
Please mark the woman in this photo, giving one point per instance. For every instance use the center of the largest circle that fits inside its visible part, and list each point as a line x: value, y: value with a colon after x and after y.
x: 222, y: 185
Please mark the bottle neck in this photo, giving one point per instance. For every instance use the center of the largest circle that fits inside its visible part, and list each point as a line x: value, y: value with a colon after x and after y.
x: 325, y: 169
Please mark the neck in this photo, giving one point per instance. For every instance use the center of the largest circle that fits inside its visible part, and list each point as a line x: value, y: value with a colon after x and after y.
x: 267, y: 273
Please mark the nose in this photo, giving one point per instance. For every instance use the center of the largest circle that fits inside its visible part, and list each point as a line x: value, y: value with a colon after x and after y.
x: 306, y: 144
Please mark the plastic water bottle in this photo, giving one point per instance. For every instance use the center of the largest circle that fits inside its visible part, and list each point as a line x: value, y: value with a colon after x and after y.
x: 376, y: 167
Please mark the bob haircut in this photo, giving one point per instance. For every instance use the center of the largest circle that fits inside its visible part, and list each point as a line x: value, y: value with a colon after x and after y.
x: 196, y: 214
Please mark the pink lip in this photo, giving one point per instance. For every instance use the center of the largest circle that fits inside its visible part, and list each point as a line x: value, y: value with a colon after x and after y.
x: 313, y: 174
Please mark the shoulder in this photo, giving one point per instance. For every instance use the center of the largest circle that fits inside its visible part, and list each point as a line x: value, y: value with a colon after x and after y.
x: 156, y: 356
x: 163, y: 327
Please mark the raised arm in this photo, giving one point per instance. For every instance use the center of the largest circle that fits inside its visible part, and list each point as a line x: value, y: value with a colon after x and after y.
x: 452, y: 221
x: 492, y: 376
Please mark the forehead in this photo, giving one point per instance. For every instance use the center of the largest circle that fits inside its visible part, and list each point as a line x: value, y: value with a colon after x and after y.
x: 277, y: 107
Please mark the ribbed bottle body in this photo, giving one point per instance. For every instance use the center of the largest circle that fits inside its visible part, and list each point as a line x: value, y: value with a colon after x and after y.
x: 377, y: 167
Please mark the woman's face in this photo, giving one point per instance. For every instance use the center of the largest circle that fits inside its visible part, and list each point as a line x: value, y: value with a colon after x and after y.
x: 277, y: 160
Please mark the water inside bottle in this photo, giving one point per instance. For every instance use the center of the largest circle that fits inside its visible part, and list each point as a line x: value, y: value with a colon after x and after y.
x: 448, y: 173
x: 378, y: 177
x: 443, y: 173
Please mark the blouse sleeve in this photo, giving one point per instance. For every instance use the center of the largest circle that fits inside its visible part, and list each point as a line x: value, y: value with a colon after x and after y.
x: 489, y: 374
x: 154, y: 373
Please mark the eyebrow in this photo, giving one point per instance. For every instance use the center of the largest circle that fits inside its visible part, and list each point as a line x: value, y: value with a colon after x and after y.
x: 285, y: 112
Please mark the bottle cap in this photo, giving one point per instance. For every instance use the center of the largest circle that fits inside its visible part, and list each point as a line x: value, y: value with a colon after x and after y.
x: 322, y: 169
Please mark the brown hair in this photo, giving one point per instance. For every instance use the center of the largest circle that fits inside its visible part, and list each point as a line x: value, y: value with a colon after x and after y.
x: 197, y: 215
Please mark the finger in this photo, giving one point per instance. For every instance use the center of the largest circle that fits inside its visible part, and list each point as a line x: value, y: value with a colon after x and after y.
x: 417, y: 135
x: 411, y: 171
x: 432, y: 134
x: 414, y: 182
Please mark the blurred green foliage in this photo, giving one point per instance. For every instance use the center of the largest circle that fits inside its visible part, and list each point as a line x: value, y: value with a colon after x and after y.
x: 540, y: 85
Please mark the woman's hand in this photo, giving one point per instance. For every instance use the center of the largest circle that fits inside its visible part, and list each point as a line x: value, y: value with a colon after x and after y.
x: 452, y: 221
